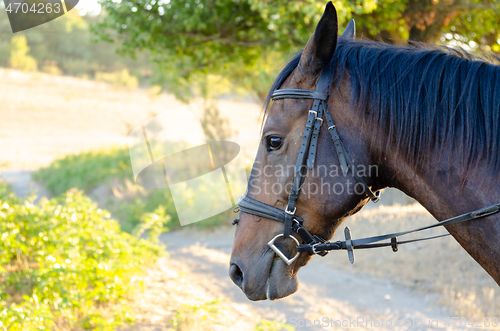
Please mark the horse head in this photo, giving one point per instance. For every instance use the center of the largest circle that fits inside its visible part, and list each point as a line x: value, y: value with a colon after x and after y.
x: 327, y: 194
x: 350, y: 118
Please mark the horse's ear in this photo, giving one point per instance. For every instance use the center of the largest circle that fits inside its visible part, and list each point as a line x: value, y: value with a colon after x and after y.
x: 321, y: 46
x: 350, y: 31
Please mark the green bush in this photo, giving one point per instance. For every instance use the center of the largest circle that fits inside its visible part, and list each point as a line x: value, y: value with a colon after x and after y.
x: 65, y: 264
x: 86, y: 170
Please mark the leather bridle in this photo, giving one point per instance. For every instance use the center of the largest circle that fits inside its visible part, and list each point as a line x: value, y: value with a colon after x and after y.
x: 314, y: 244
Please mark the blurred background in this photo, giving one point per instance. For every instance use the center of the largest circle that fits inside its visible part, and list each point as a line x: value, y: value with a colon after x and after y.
x: 83, y: 246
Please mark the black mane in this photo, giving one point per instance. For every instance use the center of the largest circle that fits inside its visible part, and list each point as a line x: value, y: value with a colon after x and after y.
x: 424, y: 99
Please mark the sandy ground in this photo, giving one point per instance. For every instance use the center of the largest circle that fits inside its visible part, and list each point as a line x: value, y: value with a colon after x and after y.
x: 43, y: 117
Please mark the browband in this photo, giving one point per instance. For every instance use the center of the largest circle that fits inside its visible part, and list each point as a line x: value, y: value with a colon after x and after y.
x: 293, y: 93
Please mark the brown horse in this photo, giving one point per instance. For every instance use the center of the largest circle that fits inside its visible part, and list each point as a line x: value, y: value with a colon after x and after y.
x: 425, y: 121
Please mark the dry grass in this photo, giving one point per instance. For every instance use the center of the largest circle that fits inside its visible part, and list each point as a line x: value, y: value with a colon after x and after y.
x: 174, y: 299
x: 438, y: 266
x: 46, y: 116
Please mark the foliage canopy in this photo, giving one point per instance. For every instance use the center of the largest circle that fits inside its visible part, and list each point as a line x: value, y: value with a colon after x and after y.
x: 64, y: 46
x: 246, y: 40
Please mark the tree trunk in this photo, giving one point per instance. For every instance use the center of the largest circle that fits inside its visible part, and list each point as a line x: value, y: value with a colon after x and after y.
x: 430, y: 34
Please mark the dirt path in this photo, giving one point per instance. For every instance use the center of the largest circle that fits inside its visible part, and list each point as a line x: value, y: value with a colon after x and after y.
x: 333, y: 299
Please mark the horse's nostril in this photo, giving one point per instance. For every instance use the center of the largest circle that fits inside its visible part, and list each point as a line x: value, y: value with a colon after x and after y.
x: 236, y: 274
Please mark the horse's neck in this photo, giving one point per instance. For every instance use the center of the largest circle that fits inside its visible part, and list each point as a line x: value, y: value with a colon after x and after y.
x: 436, y: 183
x: 439, y: 187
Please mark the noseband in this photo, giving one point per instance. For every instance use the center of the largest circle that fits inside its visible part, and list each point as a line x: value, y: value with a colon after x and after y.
x: 314, y: 244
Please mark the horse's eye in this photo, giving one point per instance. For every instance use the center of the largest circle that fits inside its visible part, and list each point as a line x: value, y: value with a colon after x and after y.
x: 274, y: 143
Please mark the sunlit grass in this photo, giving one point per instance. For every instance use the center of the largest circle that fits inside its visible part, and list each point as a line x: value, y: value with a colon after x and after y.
x: 202, y: 316
x: 273, y: 325
x: 85, y: 170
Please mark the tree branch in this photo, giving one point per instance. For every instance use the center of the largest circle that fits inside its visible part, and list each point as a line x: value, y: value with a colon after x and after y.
x: 456, y: 6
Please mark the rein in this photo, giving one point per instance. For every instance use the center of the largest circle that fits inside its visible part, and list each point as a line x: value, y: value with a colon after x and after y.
x: 314, y: 244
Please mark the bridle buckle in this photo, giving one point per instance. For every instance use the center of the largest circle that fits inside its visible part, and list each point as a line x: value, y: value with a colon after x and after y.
x: 314, y: 248
x: 290, y: 212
